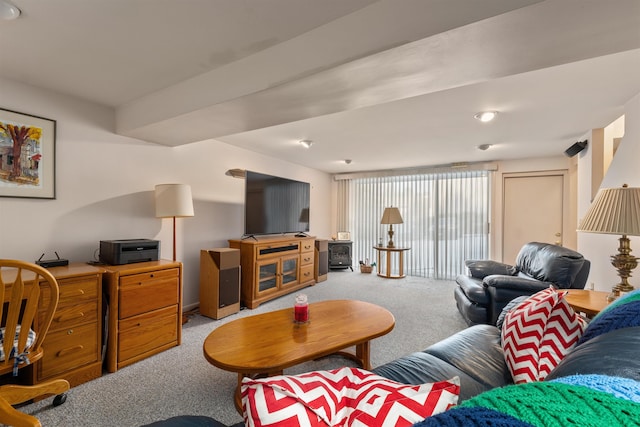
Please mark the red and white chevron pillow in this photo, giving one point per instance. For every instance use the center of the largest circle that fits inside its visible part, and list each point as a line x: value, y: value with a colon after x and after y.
x: 538, y: 333
x: 342, y: 397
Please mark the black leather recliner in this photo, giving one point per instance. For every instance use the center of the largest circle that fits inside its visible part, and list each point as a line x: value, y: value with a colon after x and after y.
x: 490, y: 285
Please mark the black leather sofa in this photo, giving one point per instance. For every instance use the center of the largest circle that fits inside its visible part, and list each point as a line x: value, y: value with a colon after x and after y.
x: 490, y: 285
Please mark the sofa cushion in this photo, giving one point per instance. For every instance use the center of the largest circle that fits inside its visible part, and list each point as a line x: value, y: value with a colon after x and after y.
x: 538, y: 333
x: 621, y: 347
x: 622, y: 313
x: 347, y: 396
x: 549, y: 263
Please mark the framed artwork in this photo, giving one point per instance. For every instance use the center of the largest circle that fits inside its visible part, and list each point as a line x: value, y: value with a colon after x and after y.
x: 27, y: 156
x: 344, y: 235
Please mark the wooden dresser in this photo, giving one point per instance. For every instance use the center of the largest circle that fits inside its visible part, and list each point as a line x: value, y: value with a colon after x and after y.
x: 274, y: 266
x: 73, y: 346
x: 145, y: 305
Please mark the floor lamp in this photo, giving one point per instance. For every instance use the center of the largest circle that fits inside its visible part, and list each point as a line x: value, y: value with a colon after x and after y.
x: 173, y: 201
x: 616, y: 211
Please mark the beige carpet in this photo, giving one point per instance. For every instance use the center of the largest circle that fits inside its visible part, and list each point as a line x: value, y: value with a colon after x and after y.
x: 181, y: 382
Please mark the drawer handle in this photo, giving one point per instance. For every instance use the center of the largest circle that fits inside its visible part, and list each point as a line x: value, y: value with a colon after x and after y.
x: 71, y: 316
x: 74, y: 293
x: 307, y: 259
x: 73, y: 349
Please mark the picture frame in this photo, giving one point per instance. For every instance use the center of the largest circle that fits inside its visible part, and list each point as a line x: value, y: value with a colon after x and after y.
x: 344, y: 235
x: 27, y: 155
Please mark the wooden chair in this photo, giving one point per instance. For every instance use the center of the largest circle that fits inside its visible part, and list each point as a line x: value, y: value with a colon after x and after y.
x: 30, y: 296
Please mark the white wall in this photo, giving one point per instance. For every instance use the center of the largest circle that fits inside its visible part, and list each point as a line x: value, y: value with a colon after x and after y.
x: 105, y: 183
x: 624, y: 168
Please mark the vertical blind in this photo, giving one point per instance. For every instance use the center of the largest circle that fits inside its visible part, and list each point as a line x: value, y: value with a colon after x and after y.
x: 445, y: 218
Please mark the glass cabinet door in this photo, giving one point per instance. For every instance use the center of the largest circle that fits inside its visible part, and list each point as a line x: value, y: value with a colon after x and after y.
x: 289, y: 271
x: 267, y: 276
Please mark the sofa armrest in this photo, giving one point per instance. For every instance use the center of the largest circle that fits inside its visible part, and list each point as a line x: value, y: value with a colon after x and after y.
x: 483, y: 268
x: 515, y: 283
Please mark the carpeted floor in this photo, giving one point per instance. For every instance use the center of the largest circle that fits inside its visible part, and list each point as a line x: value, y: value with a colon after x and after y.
x: 181, y: 382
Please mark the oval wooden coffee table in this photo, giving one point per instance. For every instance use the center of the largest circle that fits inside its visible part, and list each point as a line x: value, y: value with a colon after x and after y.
x: 266, y: 344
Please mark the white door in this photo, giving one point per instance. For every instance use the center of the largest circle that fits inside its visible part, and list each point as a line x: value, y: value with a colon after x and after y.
x: 533, y: 211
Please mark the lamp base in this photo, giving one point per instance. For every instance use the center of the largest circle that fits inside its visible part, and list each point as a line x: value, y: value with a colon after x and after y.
x: 390, y: 243
x: 624, y: 263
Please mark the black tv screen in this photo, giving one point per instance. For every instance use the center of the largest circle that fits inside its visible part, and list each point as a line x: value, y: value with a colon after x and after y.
x: 275, y: 205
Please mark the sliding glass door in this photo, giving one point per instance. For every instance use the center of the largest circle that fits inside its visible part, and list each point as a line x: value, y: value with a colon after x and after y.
x: 445, y: 218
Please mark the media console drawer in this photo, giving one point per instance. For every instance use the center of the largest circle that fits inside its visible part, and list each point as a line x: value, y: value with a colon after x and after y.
x: 276, y: 250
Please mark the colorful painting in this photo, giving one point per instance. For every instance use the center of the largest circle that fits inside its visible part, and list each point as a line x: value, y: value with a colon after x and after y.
x: 27, y: 155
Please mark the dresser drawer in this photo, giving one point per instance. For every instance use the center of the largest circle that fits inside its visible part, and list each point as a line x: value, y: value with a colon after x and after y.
x: 73, y: 315
x: 73, y: 291
x: 307, y: 246
x: 306, y: 258
x: 145, y: 292
x: 68, y: 349
x: 306, y: 273
x: 146, y: 332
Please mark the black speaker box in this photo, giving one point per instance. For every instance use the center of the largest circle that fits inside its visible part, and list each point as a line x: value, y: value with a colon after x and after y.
x: 575, y: 148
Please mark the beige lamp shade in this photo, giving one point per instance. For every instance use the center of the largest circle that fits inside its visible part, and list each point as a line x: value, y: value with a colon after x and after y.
x: 173, y: 200
x: 391, y: 215
x: 614, y: 211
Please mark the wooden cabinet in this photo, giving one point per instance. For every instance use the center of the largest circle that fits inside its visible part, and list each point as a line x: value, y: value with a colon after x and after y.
x: 145, y: 304
x: 73, y: 345
x: 274, y: 266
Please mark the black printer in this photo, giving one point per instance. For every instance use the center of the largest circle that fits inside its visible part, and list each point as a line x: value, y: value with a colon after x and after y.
x: 127, y: 251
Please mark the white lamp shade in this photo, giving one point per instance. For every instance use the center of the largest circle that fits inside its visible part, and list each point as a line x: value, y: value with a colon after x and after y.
x: 391, y: 215
x: 614, y: 211
x: 173, y: 200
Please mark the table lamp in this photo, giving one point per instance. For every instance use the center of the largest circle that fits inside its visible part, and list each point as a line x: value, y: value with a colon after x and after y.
x: 616, y: 211
x: 391, y: 216
x: 173, y: 201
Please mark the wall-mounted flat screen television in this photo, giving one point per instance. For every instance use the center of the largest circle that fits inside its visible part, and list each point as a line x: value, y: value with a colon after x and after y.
x: 275, y: 205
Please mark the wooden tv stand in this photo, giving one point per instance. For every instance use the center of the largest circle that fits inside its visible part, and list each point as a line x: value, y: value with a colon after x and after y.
x: 274, y: 266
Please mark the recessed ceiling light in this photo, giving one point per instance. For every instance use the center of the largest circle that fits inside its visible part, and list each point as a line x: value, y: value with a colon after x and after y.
x: 486, y: 116
x: 484, y: 147
x: 347, y: 161
x: 306, y: 143
x: 8, y: 11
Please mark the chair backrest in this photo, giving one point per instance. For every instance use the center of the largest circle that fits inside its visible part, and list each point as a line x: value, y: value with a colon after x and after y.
x: 550, y: 263
x: 30, y: 296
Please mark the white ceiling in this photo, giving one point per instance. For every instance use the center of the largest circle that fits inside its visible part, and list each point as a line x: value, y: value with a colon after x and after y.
x: 387, y: 84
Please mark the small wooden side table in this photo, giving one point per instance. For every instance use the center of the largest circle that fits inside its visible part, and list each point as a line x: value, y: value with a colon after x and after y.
x: 588, y: 302
x: 386, y: 272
